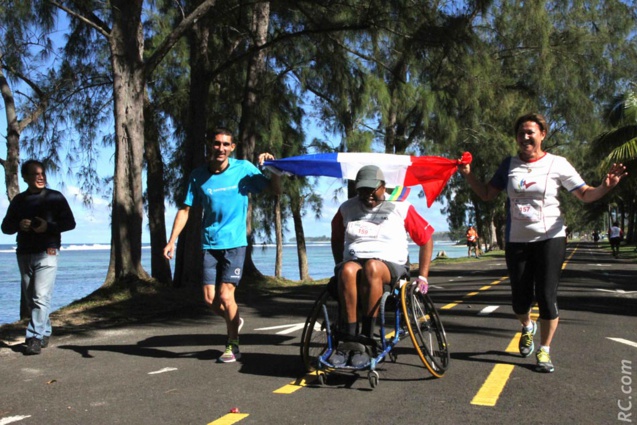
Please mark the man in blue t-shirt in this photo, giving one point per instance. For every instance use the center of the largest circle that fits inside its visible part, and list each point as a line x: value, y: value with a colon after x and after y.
x: 221, y: 188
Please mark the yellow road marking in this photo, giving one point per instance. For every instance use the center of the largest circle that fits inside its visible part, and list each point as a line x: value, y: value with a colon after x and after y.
x: 450, y: 305
x: 229, y: 419
x: 493, y: 386
x: 471, y: 294
x: 569, y: 258
x: 298, y: 384
x: 513, y: 345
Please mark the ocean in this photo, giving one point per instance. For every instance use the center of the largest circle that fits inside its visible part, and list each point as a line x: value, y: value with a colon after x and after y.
x: 82, y: 269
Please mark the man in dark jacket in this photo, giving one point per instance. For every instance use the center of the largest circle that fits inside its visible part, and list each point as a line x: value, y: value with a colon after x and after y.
x: 38, y: 215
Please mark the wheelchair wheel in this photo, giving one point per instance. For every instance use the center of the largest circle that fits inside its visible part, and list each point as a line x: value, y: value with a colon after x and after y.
x: 314, y: 336
x: 373, y: 378
x: 425, y: 330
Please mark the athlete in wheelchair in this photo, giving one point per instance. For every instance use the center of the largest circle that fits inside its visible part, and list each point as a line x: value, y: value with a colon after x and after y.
x: 370, y: 249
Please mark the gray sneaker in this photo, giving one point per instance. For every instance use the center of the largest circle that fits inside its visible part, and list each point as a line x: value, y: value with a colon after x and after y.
x: 526, y: 345
x: 544, y: 364
x: 338, y: 358
x: 359, y: 360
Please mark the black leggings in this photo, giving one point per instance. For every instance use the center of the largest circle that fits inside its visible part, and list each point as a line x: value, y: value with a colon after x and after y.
x: 534, y: 270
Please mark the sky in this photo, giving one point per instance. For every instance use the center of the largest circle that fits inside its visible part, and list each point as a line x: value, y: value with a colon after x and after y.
x: 93, y: 224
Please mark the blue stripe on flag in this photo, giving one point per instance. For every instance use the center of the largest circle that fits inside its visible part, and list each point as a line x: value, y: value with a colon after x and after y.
x: 321, y: 164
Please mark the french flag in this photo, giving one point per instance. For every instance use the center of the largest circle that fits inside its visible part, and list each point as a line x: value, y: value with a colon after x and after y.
x: 401, y: 171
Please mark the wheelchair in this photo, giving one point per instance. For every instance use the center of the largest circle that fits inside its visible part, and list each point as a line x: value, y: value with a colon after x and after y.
x: 404, y: 312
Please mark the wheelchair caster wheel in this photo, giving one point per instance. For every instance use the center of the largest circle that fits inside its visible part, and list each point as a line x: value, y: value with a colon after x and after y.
x: 392, y: 357
x: 373, y: 378
x: 322, y: 378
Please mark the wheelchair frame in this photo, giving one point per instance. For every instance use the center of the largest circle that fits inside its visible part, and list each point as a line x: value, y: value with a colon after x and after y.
x: 321, y: 336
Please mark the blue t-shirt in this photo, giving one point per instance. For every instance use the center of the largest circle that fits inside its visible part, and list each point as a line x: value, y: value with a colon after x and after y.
x: 224, y: 198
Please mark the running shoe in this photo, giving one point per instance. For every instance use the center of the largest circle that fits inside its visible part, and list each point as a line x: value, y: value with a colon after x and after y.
x: 526, y: 345
x: 544, y: 363
x: 232, y: 354
x: 359, y: 360
x: 338, y: 358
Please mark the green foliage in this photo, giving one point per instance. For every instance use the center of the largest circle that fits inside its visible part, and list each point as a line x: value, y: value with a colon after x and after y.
x: 401, y: 76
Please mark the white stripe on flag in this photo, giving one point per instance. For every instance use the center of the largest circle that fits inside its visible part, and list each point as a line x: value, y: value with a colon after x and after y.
x: 394, y: 166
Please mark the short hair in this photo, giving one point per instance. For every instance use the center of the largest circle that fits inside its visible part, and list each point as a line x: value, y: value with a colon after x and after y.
x: 24, y: 170
x: 221, y: 131
x: 536, y: 118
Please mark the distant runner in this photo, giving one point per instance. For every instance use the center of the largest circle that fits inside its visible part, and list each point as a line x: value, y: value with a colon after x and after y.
x: 472, y: 241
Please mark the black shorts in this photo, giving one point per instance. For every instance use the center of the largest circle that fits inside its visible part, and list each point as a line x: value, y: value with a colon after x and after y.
x: 534, y: 270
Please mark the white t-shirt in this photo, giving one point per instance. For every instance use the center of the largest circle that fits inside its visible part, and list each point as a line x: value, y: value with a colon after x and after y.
x: 614, y: 232
x: 379, y: 232
x: 533, y: 212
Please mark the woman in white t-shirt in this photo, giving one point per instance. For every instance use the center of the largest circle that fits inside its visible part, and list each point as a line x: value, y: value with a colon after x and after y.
x: 535, y: 232
x: 614, y: 237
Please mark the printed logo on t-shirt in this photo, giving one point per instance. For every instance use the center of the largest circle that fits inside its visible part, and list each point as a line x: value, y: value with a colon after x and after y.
x: 524, y: 185
x: 210, y: 191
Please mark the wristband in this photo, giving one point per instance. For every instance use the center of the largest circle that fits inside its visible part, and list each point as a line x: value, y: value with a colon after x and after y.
x: 423, y: 286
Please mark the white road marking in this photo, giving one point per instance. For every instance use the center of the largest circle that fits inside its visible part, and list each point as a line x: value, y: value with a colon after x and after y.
x: 488, y: 310
x: 617, y: 291
x: 287, y: 329
x: 624, y: 341
x: 11, y: 419
x: 166, y: 369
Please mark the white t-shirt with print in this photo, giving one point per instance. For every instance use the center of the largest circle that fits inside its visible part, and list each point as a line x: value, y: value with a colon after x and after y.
x: 532, y: 189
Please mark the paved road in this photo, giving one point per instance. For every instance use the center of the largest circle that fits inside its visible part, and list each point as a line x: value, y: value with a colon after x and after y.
x: 164, y: 372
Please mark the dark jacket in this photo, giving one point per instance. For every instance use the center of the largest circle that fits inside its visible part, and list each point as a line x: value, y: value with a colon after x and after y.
x: 48, y: 204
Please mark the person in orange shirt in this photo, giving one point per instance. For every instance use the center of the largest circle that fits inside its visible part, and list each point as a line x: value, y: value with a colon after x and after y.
x: 472, y: 241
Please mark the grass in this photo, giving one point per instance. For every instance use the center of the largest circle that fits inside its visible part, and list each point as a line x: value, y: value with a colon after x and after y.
x: 626, y: 252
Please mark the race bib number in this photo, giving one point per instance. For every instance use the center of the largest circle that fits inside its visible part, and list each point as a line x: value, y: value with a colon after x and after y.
x: 524, y: 210
x: 365, y: 229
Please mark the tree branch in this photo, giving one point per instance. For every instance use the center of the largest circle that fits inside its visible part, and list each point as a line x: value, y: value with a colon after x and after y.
x: 92, y: 20
x: 185, y: 25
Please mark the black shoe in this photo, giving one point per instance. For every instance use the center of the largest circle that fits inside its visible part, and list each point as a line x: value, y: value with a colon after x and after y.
x: 338, y: 358
x: 45, y: 341
x: 34, y: 346
x: 359, y: 359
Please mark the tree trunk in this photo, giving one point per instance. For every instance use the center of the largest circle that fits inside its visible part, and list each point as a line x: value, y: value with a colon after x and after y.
x: 278, y: 229
x: 301, y: 248
x: 492, y: 240
x: 189, y: 262
x: 247, y: 123
x: 126, y: 44
x: 156, y: 194
x: 630, y: 237
x: 12, y: 160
